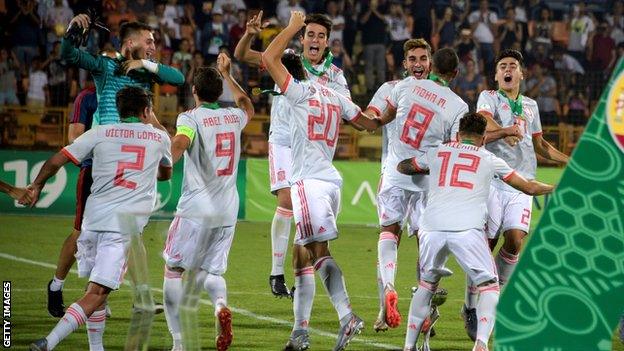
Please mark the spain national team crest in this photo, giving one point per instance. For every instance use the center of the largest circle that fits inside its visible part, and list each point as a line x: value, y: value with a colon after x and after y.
x: 615, y: 111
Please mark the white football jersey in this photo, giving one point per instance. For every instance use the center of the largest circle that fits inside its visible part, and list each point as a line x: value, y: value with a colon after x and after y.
x: 379, y: 104
x: 427, y: 115
x: 314, y: 128
x: 211, y: 163
x: 522, y: 156
x: 279, y: 131
x: 126, y: 157
x: 459, y: 186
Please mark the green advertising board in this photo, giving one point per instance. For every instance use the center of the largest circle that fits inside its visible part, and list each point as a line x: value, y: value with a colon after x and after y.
x: 59, y: 194
x: 567, y: 292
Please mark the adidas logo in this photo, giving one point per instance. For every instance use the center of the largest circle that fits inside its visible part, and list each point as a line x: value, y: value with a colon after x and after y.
x: 321, y: 230
x: 384, y: 216
x: 303, y: 324
x: 412, y: 326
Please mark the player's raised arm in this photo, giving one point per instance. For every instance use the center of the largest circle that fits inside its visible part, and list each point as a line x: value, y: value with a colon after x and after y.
x: 14, y: 192
x: 74, y: 56
x: 49, y: 168
x: 240, y: 97
x: 530, y: 187
x: 272, y: 55
x: 243, y: 51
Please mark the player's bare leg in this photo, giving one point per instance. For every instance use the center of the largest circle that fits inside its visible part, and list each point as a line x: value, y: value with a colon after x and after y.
x: 75, y: 316
x: 387, y: 250
x: 66, y: 260
x: 507, y: 257
x: 280, y: 235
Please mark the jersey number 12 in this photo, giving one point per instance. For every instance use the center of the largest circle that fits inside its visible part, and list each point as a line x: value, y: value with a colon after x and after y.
x: 457, y: 167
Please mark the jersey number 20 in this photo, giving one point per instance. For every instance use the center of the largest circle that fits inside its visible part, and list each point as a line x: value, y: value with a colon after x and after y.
x: 458, y: 167
x: 326, y: 121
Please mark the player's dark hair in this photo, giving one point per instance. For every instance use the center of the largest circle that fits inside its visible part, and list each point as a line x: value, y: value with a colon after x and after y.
x: 510, y: 53
x: 445, y: 62
x: 293, y: 64
x: 129, y: 28
x: 472, y: 123
x: 321, y: 19
x: 132, y: 101
x: 415, y: 44
x: 208, y: 84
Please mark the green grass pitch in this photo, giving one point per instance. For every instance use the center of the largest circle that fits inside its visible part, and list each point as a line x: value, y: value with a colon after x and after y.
x: 30, y: 247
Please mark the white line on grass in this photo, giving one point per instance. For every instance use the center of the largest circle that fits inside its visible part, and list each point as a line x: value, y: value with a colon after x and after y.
x: 241, y: 311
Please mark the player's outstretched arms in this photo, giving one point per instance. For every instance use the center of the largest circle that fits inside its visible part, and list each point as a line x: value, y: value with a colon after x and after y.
x: 530, y: 187
x: 240, y: 97
x: 49, y: 168
x: 14, y: 192
x: 544, y: 149
x: 243, y: 51
x: 273, y: 54
x: 410, y: 166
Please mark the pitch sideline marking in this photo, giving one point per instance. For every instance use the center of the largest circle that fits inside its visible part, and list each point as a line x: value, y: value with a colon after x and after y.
x: 234, y: 309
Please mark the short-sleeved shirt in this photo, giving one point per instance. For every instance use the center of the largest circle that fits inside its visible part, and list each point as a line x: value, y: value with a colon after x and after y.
x: 427, y: 115
x: 459, y: 185
x: 279, y: 132
x: 314, y: 128
x: 522, y: 156
x: 84, y: 108
x: 125, y: 157
x: 211, y: 163
x: 379, y: 104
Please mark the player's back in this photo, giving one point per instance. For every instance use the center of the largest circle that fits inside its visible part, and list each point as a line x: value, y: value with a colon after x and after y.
x: 379, y: 104
x: 211, y: 163
x: 460, y: 177
x: 427, y: 115
x: 126, y: 157
x: 315, y: 126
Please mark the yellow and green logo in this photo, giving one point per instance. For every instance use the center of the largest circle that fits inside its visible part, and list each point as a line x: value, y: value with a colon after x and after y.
x: 615, y: 111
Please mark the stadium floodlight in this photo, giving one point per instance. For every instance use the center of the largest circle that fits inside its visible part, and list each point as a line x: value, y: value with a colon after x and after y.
x: 143, y: 309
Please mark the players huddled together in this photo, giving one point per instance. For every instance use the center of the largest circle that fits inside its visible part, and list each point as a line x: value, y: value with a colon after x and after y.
x: 438, y: 159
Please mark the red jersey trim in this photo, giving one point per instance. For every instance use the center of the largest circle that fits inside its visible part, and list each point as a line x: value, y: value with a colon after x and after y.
x: 357, y: 117
x: 390, y: 103
x: 70, y: 156
x: 506, y: 178
x: 537, y: 134
x: 375, y: 109
x: 286, y: 83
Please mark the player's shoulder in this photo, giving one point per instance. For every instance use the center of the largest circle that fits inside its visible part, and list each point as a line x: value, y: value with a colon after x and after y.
x: 488, y: 93
x: 528, y: 101
x: 335, y: 69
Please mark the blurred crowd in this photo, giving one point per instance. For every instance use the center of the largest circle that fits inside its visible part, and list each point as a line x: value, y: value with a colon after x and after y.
x: 570, y: 47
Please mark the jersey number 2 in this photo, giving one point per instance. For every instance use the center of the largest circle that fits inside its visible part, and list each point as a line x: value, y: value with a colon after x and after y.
x: 455, y: 182
x: 223, y: 151
x: 135, y: 166
x: 412, y: 123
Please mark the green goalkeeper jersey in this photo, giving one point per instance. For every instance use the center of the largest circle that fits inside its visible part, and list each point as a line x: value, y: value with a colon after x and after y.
x: 109, y: 78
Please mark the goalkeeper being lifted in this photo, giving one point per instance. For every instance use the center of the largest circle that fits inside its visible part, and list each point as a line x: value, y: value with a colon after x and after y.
x: 132, y: 66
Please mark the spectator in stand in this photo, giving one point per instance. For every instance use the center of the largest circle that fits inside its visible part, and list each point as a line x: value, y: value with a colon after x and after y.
x: 9, y: 68
x: 351, y: 26
x: 565, y: 62
x: 214, y: 35
x: 601, y: 60
x: 338, y: 21
x: 341, y: 58
x: 483, y: 25
x: 284, y: 8
x: 172, y: 14
x: 580, y: 26
x: 188, y: 27
x: 446, y: 28
x: 520, y: 9
x: 36, y: 85
x: 468, y: 85
x: 230, y: 6
x: 576, y: 108
x: 168, y: 92
x: 616, y: 21
x: 423, y: 14
x: 238, y: 29
x: 374, y: 38
x: 227, y: 97
x: 466, y: 47
x: 182, y: 60
x: 400, y: 29
x: 509, y: 30
x: 541, y: 31
x: 142, y: 9
x: 197, y: 62
x: 542, y: 87
x: 57, y: 76
x: 115, y: 17
x: 56, y: 21
x: 24, y: 27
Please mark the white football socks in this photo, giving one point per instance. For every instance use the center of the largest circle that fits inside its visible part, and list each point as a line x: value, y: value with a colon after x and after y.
x: 387, y: 248
x: 280, y: 235
x: 95, y: 330
x: 333, y: 280
x: 172, y: 296
x: 74, y: 317
x: 505, y: 265
x: 217, y: 290
x: 418, y: 312
x: 486, y: 310
x: 305, y: 288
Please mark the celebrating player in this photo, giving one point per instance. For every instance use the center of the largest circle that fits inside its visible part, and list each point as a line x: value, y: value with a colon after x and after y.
x: 509, y: 209
x: 314, y: 127
x: 417, y: 62
x: 317, y: 60
x: 427, y: 113
x: 209, y: 138
x: 454, y: 220
x: 127, y: 158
